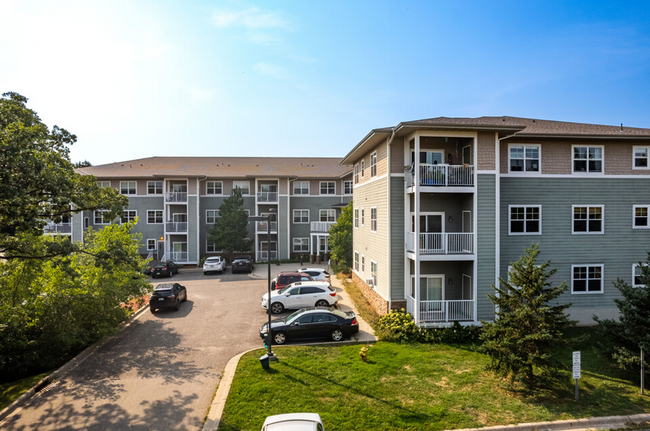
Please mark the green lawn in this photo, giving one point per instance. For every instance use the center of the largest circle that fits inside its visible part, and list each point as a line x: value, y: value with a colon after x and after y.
x: 429, y: 387
x: 9, y: 392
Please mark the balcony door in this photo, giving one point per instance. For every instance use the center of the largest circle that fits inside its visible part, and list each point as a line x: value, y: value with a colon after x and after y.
x: 429, y: 157
x: 432, y: 288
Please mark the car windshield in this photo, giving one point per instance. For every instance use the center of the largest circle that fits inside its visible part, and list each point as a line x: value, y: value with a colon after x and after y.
x: 339, y: 313
x: 241, y: 258
x: 213, y: 259
x: 161, y: 292
x: 293, y: 316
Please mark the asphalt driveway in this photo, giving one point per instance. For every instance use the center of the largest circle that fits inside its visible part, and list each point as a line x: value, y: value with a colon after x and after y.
x: 162, y: 370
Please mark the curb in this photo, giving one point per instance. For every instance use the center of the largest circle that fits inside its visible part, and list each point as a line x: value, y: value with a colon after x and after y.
x: 604, y: 422
x: 72, y: 363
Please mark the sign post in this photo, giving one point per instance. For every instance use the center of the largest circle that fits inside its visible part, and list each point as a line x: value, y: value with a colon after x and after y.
x: 576, y: 370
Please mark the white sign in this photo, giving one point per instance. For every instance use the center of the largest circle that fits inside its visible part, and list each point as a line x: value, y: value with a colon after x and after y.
x: 576, y: 365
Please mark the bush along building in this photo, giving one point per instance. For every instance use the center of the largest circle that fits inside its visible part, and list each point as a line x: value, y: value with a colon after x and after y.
x: 443, y: 205
x: 177, y: 200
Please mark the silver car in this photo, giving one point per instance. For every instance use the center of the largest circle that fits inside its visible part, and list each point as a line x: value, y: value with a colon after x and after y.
x: 214, y: 264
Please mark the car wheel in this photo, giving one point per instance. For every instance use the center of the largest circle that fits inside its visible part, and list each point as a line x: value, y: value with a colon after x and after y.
x: 153, y: 310
x: 322, y: 303
x: 177, y: 306
x: 273, y: 285
x: 337, y: 335
x: 185, y: 297
x: 279, y: 338
x: 277, y: 308
x: 170, y: 273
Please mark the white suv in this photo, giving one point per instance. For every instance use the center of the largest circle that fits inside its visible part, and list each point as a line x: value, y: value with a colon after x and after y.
x: 317, y: 274
x: 214, y: 263
x: 301, y: 294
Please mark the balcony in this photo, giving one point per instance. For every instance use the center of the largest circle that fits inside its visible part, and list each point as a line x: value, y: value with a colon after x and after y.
x: 60, y: 228
x: 262, y: 256
x: 176, y: 256
x: 443, y: 176
x: 441, y: 243
x: 176, y: 197
x: 262, y: 226
x: 176, y: 226
x: 321, y: 226
x: 267, y: 197
x: 447, y: 311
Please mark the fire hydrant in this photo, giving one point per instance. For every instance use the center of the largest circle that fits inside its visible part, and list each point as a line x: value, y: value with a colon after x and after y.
x: 364, y: 354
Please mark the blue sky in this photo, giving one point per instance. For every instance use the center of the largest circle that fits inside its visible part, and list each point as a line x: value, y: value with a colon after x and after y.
x: 138, y: 78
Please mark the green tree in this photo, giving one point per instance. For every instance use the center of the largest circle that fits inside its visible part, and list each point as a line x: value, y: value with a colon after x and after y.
x: 230, y: 229
x: 622, y: 340
x: 83, y: 164
x: 340, y: 239
x: 38, y: 182
x: 527, y: 329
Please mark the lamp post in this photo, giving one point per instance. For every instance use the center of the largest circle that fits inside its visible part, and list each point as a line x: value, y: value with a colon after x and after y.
x: 268, y: 260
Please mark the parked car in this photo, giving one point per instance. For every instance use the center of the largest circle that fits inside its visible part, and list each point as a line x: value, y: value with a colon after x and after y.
x: 242, y: 263
x: 214, y: 263
x: 164, y: 269
x: 313, y: 322
x: 167, y: 295
x: 294, y: 422
x: 301, y: 294
x: 285, y: 278
x: 317, y: 274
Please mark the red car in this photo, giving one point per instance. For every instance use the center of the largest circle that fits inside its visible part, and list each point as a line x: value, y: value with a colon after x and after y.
x: 285, y: 278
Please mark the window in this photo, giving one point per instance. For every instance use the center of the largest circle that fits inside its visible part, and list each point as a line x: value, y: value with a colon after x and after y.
x: 588, y: 219
x: 99, y: 217
x: 129, y: 215
x: 363, y: 216
x: 327, y: 188
x: 587, y: 159
x: 301, y: 216
x: 211, y: 216
x: 356, y: 261
x: 244, y: 186
x: 154, y: 187
x: 373, y: 164
x: 587, y: 279
x: 363, y: 263
x: 210, y: 247
x: 154, y: 216
x: 363, y: 168
x: 151, y: 244
x: 641, y: 157
x: 347, y: 187
x: 373, y: 272
x: 524, y: 158
x: 356, y: 218
x: 637, y: 272
x: 356, y: 174
x: 215, y: 188
x: 327, y: 215
x: 373, y: 219
x: 641, y: 216
x: 127, y: 187
x: 301, y: 187
x: 104, y: 184
x: 525, y: 220
x: 300, y: 245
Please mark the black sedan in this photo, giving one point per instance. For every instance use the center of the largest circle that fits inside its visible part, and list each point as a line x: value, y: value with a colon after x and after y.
x: 167, y: 295
x: 313, y: 322
x: 242, y: 263
x: 164, y: 269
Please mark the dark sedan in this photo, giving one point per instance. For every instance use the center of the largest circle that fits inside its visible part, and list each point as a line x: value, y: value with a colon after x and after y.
x: 167, y: 295
x: 164, y: 269
x: 313, y: 322
x: 242, y: 263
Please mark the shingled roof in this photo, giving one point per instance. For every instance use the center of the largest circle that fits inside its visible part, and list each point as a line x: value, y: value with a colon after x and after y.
x: 221, y: 167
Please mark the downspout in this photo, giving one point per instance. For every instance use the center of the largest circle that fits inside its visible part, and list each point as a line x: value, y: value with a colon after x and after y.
x: 388, y: 220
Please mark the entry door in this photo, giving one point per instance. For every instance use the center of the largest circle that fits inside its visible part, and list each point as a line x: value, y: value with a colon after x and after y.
x: 179, y: 218
x: 432, y: 226
x: 431, y: 288
x: 180, y: 188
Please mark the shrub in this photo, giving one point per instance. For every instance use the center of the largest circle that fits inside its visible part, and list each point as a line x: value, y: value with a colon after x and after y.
x: 399, y: 326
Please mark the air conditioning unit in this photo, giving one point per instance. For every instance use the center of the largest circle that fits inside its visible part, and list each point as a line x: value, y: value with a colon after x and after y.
x: 370, y: 281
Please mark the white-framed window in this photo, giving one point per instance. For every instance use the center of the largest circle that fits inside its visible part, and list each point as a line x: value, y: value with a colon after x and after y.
x: 363, y: 168
x: 300, y: 216
x: 588, y: 219
x: 327, y: 188
x: 373, y: 219
x: 363, y: 263
x: 373, y: 273
x: 363, y: 216
x: 128, y: 215
x: 356, y: 261
x: 210, y: 247
x: 640, y: 155
x: 356, y: 218
x: 524, y: 158
x: 636, y: 275
x: 347, y: 187
x: 587, y: 159
x: 300, y: 245
x: 99, y: 217
x: 104, y: 184
x: 151, y: 244
x: 373, y: 164
x: 154, y: 187
x: 301, y: 187
x: 214, y: 188
x: 587, y: 279
x: 128, y: 187
x: 525, y: 220
x: 244, y: 186
x: 211, y: 216
x: 356, y: 174
x: 154, y: 216
x: 640, y: 215
x: 327, y: 215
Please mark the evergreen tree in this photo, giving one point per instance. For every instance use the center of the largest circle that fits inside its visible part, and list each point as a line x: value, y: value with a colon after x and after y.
x: 527, y: 329
x: 340, y: 239
x: 230, y: 229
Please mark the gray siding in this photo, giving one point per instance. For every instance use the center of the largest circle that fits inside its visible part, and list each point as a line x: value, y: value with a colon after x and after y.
x: 398, y: 186
x: 486, y: 247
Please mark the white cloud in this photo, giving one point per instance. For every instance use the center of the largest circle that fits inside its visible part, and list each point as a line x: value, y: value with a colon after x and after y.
x: 252, y: 18
x: 199, y: 95
x: 272, y: 70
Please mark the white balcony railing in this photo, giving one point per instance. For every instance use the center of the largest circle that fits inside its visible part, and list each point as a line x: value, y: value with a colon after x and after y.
x: 442, y: 243
x: 443, y: 176
x: 176, y: 226
x: 262, y: 226
x: 262, y: 256
x: 267, y: 196
x: 447, y: 311
x: 52, y: 228
x: 321, y: 226
x: 176, y: 256
x: 176, y: 197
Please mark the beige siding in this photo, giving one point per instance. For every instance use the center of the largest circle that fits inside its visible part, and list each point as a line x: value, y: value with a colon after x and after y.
x: 397, y: 162
x: 486, y: 151
x: 382, y: 163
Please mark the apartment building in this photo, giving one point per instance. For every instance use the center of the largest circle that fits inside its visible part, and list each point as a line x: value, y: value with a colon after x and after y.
x: 443, y: 206
x: 176, y: 201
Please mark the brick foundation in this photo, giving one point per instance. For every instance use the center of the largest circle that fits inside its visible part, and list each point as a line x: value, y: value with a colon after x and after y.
x: 378, y: 303
x: 398, y: 305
